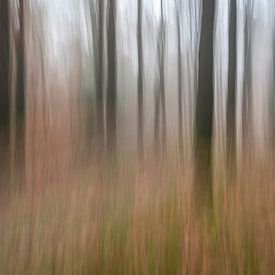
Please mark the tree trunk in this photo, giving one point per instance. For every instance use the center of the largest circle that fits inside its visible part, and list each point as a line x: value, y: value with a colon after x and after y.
x: 20, y: 92
x: 247, y: 77
x: 140, y: 80
x: 112, y: 85
x: 231, y: 98
x: 179, y: 83
x: 21, y: 64
x: 204, y: 107
x: 160, y: 104
x: 5, y: 66
x: 99, y: 71
x: 4, y: 86
x: 162, y: 79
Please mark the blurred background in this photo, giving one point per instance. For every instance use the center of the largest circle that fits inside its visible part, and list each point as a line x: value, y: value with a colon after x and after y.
x: 137, y: 136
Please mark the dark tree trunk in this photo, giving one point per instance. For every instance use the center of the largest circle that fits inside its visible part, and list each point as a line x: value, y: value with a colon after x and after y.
x: 231, y: 99
x: 20, y: 93
x: 246, y: 108
x: 140, y: 79
x: 99, y: 76
x: 162, y: 78
x: 112, y: 85
x: 21, y: 65
x: 4, y: 67
x: 160, y: 104
x: 204, y: 107
x: 97, y: 18
x: 179, y: 83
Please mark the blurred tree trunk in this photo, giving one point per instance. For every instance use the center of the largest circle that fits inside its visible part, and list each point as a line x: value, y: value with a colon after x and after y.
x: 231, y: 98
x: 247, y: 75
x: 140, y: 80
x: 13, y: 86
x: 20, y: 91
x: 178, y: 7
x: 99, y: 77
x: 204, y: 107
x: 5, y: 66
x: 21, y: 64
x: 160, y: 102
x: 111, y: 104
x: 157, y: 119
x: 97, y: 18
x: 162, y: 77
x: 14, y: 91
x: 4, y: 69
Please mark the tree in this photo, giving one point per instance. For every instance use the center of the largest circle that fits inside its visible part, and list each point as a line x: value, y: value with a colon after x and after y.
x: 160, y: 102
x: 4, y: 66
x: 17, y: 91
x: 111, y: 119
x: 204, y: 106
x: 231, y: 98
x: 162, y: 76
x: 178, y: 7
x: 21, y: 64
x: 140, y: 79
x: 20, y: 93
x: 246, y: 106
x: 98, y: 41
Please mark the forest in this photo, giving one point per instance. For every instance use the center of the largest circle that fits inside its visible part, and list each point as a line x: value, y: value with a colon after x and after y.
x: 137, y: 137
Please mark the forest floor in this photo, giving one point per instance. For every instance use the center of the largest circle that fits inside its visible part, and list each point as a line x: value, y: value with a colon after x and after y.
x: 130, y: 220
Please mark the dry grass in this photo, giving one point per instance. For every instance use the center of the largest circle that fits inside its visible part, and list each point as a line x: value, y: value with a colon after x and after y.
x: 139, y: 221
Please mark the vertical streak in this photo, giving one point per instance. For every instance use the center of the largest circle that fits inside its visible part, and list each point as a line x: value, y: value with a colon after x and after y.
x: 140, y: 78
x: 178, y: 7
x: 112, y: 83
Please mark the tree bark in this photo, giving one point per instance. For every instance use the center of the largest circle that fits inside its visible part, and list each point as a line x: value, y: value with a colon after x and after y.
x: 99, y: 70
x: 5, y: 66
x: 162, y: 79
x: 180, y: 137
x: 21, y: 65
x: 247, y: 77
x: 140, y: 80
x: 5, y: 54
x: 160, y: 104
x: 112, y: 83
x: 204, y: 106
x: 231, y: 98
x: 20, y: 92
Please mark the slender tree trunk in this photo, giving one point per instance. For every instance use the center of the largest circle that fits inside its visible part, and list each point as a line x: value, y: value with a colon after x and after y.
x: 13, y: 110
x: 180, y: 83
x: 247, y: 77
x: 99, y: 70
x: 140, y: 80
x: 112, y: 85
x: 204, y: 107
x: 21, y: 64
x: 4, y: 67
x: 160, y: 105
x: 162, y: 79
x: 231, y: 98
x: 20, y: 92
